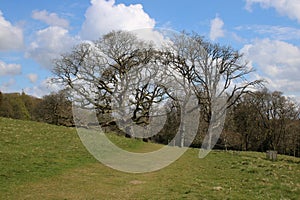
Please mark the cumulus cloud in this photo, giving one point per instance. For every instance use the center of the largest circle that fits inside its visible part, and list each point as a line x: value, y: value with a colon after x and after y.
x: 49, y: 44
x: 51, y: 19
x: 279, y: 61
x: 289, y: 8
x: 216, y: 28
x: 11, y: 37
x: 9, y: 69
x: 32, y: 77
x: 103, y: 16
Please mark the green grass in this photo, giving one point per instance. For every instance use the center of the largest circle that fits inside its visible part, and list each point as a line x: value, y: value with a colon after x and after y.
x: 40, y: 161
x: 30, y: 151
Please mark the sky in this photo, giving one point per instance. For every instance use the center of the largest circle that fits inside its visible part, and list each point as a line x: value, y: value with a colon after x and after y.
x: 34, y: 32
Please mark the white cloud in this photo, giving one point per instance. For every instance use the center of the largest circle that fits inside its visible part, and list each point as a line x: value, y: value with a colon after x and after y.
x: 103, y: 16
x: 11, y: 37
x: 32, y: 77
x: 6, y: 87
x: 51, y: 19
x: 42, y: 89
x: 9, y: 69
x: 289, y: 8
x: 279, y: 61
x: 273, y: 32
x: 49, y: 44
x: 216, y: 28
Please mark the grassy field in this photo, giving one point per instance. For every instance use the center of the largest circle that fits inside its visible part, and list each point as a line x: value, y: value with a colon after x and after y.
x: 40, y: 161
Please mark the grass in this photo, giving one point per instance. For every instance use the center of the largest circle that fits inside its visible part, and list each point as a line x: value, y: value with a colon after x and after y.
x: 40, y: 161
x: 30, y: 151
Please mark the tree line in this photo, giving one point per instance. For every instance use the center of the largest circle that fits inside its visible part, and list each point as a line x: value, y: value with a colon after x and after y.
x: 131, y: 82
x: 258, y: 121
x: 125, y: 77
x: 54, y: 108
x: 266, y: 120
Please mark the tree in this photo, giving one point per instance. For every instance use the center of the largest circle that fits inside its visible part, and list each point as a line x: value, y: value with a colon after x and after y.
x: 291, y: 143
x: 6, y: 109
x: 31, y: 104
x: 276, y: 112
x: 55, y: 108
x: 214, y: 72
x: 267, y: 121
x: 106, y: 72
x: 13, y: 106
x: 117, y: 71
x: 19, y: 109
x: 1, y: 98
x: 247, y: 122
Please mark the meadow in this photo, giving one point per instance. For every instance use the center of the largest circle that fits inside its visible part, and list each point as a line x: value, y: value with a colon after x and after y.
x: 42, y: 161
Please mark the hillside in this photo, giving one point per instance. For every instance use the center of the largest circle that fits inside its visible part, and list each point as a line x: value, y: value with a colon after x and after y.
x: 18, y: 106
x: 42, y: 161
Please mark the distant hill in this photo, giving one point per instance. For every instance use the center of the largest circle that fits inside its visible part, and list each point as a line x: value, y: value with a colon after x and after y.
x: 18, y: 106
x: 54, y: 108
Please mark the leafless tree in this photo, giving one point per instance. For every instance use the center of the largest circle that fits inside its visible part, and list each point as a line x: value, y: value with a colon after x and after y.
x: 120, y: 70
x: 111, y: 71
x: 213, y: 71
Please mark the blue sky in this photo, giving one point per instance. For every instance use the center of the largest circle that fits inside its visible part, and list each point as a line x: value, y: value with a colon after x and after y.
x: 33, y: 32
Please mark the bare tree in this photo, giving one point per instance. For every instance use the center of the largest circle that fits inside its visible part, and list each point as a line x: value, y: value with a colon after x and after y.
x: 111, y: 71
x: 213, y: 71
x: 118, y: 71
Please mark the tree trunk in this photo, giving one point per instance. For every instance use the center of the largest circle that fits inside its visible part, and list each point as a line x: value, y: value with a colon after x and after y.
x: 182, y: 133
x: 128, y: 132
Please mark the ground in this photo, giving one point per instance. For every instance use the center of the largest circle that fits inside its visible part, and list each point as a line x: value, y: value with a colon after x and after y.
x: 41, y: 161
